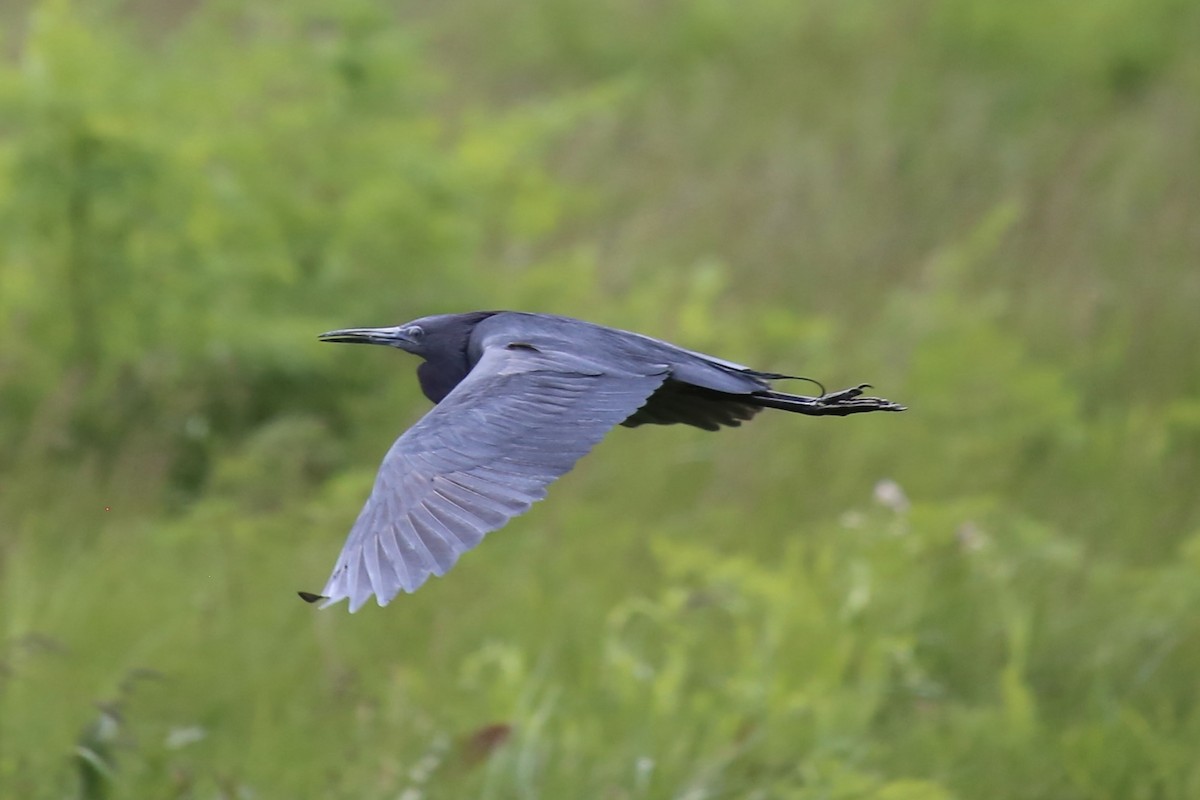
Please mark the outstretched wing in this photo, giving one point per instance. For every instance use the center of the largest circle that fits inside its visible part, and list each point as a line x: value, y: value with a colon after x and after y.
x: 520, y: 419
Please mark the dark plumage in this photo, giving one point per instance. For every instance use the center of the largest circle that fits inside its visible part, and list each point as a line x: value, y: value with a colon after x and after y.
x: 520, y: 398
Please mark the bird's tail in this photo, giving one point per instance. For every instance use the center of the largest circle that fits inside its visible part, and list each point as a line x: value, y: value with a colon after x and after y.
x: 829, y: 404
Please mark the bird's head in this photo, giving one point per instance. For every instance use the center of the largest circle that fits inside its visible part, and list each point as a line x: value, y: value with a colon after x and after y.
x: 409, y: 336
x: 428, y: 337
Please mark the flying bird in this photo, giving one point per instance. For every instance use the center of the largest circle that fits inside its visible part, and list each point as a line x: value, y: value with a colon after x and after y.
x: 519, y: 398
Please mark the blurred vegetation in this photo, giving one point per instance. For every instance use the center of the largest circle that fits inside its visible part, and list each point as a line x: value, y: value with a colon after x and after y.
x: 987, y: 209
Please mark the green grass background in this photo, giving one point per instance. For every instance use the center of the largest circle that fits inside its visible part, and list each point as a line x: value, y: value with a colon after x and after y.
x: 989, y: 210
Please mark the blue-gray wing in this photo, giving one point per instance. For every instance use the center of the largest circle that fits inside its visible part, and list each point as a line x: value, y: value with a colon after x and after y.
x: 520, y: 419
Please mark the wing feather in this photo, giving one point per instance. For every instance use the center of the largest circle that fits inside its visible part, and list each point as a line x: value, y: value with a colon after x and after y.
x: 432, y: 540
x: 370, y: 551
x: 519, y: 420
x: 692, y: 405
x: 391, y: 548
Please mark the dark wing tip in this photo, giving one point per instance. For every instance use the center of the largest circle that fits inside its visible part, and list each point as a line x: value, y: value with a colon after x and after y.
x: 310, y: 597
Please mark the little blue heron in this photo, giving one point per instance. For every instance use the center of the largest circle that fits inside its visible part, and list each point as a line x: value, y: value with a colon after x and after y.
x: 519, y: 399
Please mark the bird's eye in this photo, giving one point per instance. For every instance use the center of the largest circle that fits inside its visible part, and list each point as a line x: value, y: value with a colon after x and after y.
x: 414, y: 331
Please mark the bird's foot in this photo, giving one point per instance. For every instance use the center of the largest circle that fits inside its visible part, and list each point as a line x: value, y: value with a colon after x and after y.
x: 852, y: 401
